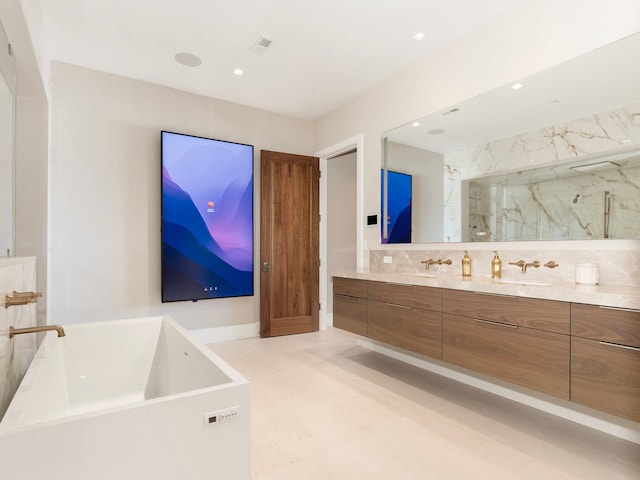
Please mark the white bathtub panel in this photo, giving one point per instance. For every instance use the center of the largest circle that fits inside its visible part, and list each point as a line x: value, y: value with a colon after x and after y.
x: 159, y: 440
x: 180, y: 366
x: 106, y: 360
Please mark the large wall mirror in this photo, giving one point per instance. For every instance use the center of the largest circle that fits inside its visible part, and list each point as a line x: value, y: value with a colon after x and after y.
x: 554, y: 157
x: 7, y: 112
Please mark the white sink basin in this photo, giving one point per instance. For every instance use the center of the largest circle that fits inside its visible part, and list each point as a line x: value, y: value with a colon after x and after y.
x: 522, y: 282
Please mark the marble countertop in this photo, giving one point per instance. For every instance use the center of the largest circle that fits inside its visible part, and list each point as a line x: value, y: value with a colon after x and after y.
x: 619, y: 296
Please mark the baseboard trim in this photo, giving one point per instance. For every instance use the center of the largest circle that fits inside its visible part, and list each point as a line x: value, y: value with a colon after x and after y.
x: 226, y: 333
x: 621, y: 428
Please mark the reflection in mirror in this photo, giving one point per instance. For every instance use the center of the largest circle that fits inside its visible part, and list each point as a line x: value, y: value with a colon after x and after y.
x: 583, y: 200
x: 576, y: 112
x: 7, y: 91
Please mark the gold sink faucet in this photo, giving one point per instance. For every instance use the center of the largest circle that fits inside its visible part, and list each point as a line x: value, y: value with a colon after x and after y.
x: 523, y: 264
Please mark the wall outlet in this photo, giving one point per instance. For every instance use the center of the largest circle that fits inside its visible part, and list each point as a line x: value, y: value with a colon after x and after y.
x: 387, y: 259
x: 222, y: 416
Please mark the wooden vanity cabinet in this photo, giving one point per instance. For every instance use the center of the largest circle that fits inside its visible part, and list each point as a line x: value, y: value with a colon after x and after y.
x: 524, y: 341
x: 605, y: 359
x: 350, y: 305
x: 406, y: 316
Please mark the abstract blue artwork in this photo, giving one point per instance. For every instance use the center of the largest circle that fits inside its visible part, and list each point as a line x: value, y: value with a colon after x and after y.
x: 399, y: 191
x: 207, y: 218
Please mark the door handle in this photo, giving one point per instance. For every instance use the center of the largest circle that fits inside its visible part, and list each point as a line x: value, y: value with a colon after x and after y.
x: 265, y: 266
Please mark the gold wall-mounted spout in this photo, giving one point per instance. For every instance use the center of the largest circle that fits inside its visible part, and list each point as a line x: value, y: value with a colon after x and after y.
x: 44, y: 328
x: 523, y: 264
x: 431, y: 261
x: 21, y: 298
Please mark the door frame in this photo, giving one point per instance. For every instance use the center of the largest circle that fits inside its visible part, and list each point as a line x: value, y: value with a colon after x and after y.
x: 324, y: 155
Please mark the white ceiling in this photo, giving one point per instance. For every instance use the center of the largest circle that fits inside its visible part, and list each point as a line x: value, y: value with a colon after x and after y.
x: 324, y: 52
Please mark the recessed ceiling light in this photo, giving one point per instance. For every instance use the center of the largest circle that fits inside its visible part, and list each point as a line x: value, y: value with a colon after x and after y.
x: 238, y: 71
x: 415, y: 124
x: 516, y: 86
x: 418, y: 36
x: 187, y: 59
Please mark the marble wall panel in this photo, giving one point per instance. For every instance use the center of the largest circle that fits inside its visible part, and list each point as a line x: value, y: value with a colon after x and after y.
x: 621, y: 268
x: 17, y: 274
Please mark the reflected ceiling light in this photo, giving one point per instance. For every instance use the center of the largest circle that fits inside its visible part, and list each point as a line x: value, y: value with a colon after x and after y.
x: 238, y: 72
x: 594, y: 166
x: 187, y: 59
x: 418, y: 36
x: 415, y: 124
x: 436, y: 131
x: 516, y: 86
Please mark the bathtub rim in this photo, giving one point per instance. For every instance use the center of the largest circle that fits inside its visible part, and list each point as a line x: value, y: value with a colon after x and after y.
x: 236, y: 379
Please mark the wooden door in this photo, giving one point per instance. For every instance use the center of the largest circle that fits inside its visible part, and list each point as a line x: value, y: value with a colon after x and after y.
x: 289, y: 244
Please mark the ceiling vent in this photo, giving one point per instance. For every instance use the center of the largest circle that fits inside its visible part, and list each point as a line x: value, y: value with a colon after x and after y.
x: 260, y: 46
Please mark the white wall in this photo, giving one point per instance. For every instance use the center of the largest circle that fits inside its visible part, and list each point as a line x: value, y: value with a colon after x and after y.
x: 104, y: 248
x: 341, y: 222
x: 530, y: 38
x: 427, y: 169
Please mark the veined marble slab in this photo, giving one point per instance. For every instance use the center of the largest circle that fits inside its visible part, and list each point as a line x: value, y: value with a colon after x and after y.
x: 17, y: 274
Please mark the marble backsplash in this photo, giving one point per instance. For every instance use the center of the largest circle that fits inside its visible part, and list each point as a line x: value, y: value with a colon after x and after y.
x: 611, y: 131
x: 17, y: 274
x: 617, y: 267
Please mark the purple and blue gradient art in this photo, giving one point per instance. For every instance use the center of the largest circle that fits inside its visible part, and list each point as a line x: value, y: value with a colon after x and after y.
x: 207, y: 218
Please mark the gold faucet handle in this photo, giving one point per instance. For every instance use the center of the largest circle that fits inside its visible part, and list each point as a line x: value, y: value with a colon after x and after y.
x: 447, y: 261
x: 21, y: 298
x: 535, y: 264
x: 551, y: 264
x: 27, y: 294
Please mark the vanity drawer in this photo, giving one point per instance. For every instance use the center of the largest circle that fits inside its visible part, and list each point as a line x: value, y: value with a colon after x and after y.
x: 409, y: 295
x: 524, y: 356
x: 350, y: 287
x: 548, y: 315
x: 615, y: 325
x: 413, y: 329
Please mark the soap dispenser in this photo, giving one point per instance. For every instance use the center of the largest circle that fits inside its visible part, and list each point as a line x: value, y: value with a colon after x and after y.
x: 466, y: 264
x: 496, y: 266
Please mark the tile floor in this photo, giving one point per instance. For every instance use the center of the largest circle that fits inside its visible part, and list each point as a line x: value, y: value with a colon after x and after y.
x: 324, y: 408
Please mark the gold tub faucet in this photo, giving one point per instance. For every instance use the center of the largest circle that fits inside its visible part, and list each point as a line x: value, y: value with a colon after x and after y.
x: 44, y: 328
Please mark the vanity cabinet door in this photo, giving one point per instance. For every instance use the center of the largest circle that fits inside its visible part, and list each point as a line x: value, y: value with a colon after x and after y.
x: 605, y: 359
x: 414, y: 329
x: 350, y: 313
x: 350, y: 305
x: 531, y: 358
x: 606, y: 376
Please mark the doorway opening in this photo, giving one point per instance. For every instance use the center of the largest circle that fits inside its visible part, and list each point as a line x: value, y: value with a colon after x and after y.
x: 342, y: 220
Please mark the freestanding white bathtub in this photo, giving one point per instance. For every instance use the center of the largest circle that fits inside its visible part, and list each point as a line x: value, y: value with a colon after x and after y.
x: 127, y: 399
